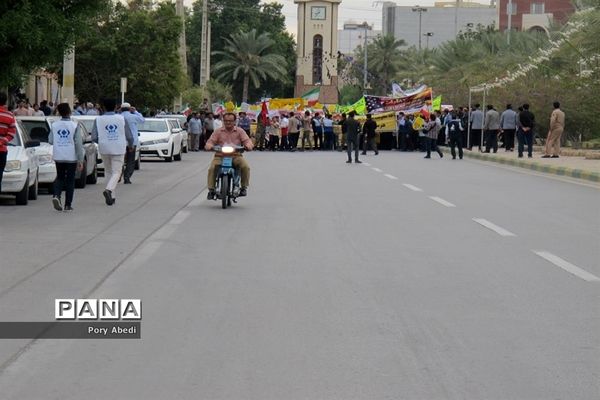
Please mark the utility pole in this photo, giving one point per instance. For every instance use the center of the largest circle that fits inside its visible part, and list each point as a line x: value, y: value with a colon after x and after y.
x: 420, y: 10
x: 204, y: 45
x: 428, y: 35
x: 510, y: 10
x: 456, y: 18
x: 366, y: 26
x: 179, y: 10
x: 68, y: 86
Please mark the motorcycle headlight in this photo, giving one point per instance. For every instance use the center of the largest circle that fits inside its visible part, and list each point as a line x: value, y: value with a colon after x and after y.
x: 12, y: 165
x: 227, y: 149
x: 45, y: 159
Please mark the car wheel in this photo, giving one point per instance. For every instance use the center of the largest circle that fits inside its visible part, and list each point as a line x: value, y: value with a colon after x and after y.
x: 33, y: 190
x: 178, y: 156
x: 22, y: 197
x: 80, y: 182
x: 138, y: 163
x: 93, y: 178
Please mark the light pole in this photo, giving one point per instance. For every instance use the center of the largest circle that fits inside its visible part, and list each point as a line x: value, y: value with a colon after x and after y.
x: 366, y: 26
x: 428, y: 35
x: 420, y: 10
x: 510, y: 11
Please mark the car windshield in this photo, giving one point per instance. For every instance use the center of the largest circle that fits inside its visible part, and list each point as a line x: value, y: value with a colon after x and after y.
x: 153, y: 126
x: 16, y: 141
x: 38, y: 130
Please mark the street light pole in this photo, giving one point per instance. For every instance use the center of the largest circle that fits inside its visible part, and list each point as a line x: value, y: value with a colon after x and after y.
x: 428, y: 35
x: 510, y: 9
x: 420, y: 10
x: 365, y: 25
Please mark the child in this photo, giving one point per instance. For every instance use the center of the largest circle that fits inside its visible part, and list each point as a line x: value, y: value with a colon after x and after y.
x: 67, y: 146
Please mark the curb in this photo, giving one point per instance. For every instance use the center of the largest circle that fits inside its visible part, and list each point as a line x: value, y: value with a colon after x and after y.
x: 534, y: 166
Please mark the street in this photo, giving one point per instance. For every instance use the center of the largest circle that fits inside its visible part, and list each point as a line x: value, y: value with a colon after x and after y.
x: 400, y: 278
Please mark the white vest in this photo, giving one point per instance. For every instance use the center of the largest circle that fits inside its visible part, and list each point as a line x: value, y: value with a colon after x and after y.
x: 63, y: 142
x: 111, y: 134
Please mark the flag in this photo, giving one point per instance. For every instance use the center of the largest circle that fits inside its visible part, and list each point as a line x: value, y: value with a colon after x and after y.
x: 186, y: 111
x: 229, y: 106
x: 373, y: 103
x: 436, y: 104
x: 312, y: 96
x: 264, y: 112
x: 360, y: 107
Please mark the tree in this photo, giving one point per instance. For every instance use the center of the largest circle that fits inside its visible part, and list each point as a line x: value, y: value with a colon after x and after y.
x: 384, y: 58
x: 247, y: 55
x: 36, y: 33
x: 138, y: 42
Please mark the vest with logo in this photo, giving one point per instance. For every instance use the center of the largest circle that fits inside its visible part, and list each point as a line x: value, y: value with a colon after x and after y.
x: 63, y: 141
x: 111, y: 134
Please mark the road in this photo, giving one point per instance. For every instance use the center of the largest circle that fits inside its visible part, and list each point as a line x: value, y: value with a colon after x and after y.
x: 400, y: 278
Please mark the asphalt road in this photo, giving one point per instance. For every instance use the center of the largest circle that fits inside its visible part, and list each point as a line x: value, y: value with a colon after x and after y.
x: 400, y: 278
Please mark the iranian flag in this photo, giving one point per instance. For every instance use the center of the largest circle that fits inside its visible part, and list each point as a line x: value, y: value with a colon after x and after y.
x: 311, y: 97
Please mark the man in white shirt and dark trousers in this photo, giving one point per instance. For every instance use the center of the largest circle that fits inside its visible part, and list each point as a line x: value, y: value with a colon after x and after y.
x: 133, y: 118
x: 68, y: 154
x: 113, y: 135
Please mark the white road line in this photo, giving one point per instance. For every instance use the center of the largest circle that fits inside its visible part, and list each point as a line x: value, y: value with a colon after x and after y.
x: 442, y: 201
x: 390, y: 176
x: 198, y: 200
x: 376, y: 169
x: 499, y: 230
x: 366, y: 164
x: 412, y: 187
x: 567, y: 266
x: 179, y: 217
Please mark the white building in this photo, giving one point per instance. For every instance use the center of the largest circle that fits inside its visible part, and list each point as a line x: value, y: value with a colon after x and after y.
x: 431, y: 26
x: 353, y: 35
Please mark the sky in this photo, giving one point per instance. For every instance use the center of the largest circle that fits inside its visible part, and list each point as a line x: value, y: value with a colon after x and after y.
x: 356, y: 10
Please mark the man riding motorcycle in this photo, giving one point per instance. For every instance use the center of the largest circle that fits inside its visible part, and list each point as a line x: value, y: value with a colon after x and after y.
x: 231, y: 135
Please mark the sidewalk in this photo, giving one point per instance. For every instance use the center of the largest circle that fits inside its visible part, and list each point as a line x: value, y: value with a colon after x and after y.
x: 573, y: 163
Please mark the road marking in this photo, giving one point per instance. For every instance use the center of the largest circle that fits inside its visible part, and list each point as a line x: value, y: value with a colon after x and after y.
x: 366, y: 164
x: 499, y: 230
x: 442, y: 201
x: 567, y: 266
x: 390, y: 176
x: 376, y: 169
x: 179, y: 217
x: 412, y: 187
x: 198, y: 200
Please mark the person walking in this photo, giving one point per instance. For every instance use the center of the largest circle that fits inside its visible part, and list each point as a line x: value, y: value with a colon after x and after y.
x: 403, y: 132
x: 508, y: 126
x: 525, y: 134
x: 294, y: 125
x: 8, y: 130
x: 476, y: 121
x: 454, y: 131
x: 194, y: 128
x: 352, y: 137
x: 113, y: 135
x: 307, y: 130
x: 557, y: 127
x: 68, y: 155
x: 133, y: 118
x: 369, y: 133
x: 432, y: 129
x: 491, y: 127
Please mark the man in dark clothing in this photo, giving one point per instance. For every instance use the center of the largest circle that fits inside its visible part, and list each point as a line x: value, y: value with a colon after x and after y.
x: 352, y: 133
x: 403, y: 132
x: 525, y: 134
x: 369, y: 132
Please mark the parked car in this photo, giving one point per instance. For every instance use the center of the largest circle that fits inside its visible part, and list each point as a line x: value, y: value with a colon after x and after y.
x: 160, y: 138
x: 38, y: 129
x: 20, y: 176
x: 180, y: 124
x: 88, y: 122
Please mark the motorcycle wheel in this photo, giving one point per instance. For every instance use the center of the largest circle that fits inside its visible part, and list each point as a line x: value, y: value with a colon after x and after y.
x: 224, y: 191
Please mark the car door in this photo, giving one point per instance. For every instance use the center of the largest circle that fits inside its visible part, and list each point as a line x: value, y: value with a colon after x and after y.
x: 177, y: 137
x: 32, y: 159
x: 88, y: 147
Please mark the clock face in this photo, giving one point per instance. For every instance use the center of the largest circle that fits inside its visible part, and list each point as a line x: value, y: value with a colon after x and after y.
x: 317, y: 13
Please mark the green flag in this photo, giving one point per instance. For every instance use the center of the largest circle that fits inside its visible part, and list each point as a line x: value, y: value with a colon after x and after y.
x: 436, y: 103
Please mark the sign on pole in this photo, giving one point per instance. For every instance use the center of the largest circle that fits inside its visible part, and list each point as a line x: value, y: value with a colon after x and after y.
x: 123, y: 89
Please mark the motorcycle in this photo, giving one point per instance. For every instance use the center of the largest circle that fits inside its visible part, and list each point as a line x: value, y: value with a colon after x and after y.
x: 228, y: 178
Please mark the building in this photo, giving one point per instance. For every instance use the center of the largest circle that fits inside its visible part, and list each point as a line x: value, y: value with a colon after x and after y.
x: 353, y: 35
x: 533, y: 14
x: 431, y: 26
x: 316, y: 55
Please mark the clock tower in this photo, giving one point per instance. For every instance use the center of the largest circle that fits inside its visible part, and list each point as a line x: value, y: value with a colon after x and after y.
x: 316, y: 61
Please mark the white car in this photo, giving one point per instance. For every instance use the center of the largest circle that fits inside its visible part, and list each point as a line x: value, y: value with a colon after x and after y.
x: 38, y: 129
x: 180, y: 121
x: 88, y: 123
x: 160, y: 138
x: 20, y: 176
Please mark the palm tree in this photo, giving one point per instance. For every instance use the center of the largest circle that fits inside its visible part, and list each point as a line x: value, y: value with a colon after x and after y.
x: 248, y: 55
x: 385, y: 57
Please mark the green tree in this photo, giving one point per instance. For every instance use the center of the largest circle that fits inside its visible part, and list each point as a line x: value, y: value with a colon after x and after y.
x: 384, y: 59
x: 247, y: 55
x: 139, y: 42
x: 36, y: 33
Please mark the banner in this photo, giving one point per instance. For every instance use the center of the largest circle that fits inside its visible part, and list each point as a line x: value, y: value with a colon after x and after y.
x: 408, y: 104
x: 436, y: 104
x: 360, y: 107
x: 386, y: 122
x: 291, y: 104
